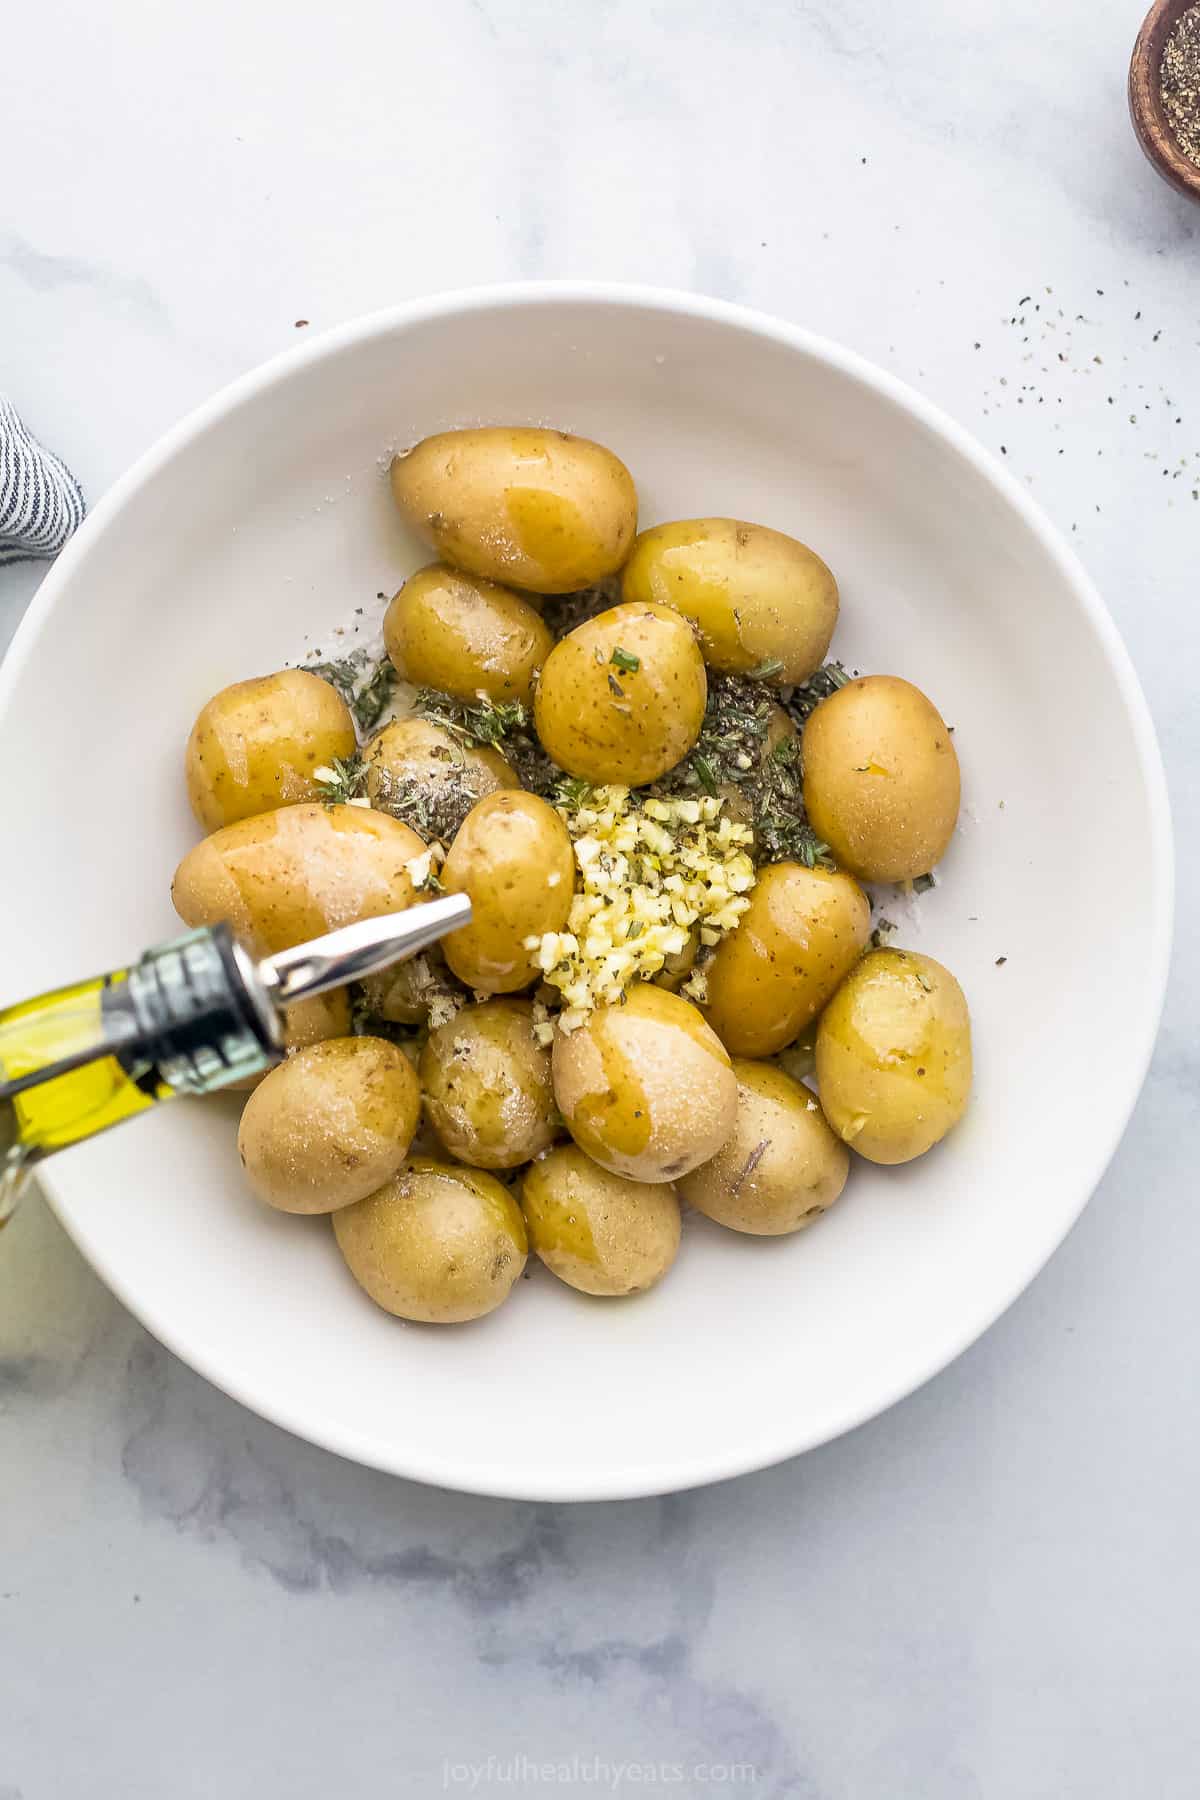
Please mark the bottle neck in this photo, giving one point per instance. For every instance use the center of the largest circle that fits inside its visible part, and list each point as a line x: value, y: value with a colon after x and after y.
x: 197, y: 1015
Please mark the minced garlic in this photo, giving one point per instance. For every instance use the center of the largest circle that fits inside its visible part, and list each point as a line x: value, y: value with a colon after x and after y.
x: 648, y: 874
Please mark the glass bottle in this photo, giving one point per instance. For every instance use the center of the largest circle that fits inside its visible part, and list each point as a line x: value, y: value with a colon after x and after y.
x: 189, y: 1017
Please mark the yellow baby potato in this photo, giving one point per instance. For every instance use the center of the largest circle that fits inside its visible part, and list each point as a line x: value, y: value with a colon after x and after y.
x: 894, y: 1056
x: 487, y: 1086
x: 646, y: 1089
x: 329, y: 1125
x: 881, y: 780
x: 465, y: 636
x: 421, y: 774
x: 781, y: 1168
x: 513, y: 857
x: 621, y: 698
x: 257, y: 744
x: 286, y: 876
x: 598, y: 1232
x: 436, y: 1243
x: 537, y: 509
x: 755, y: 595
x: 803, y: 930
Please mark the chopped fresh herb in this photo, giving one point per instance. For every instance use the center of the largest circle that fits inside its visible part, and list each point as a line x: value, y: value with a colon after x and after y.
x: 923, y: 883
x: 342, y: 780
x: 766, y: 671
x: 811, y: 850
x: 882, y: 933
x: 705, y: 773
x: 1000, y: 961
x: 373, y: 698
x: 501, y: 724
x: 733, y: 736
x: 781, y: 829
x: 365, y: 685
x: 802, y: 700
x: 479, y: 722
x: 571, y: 792
x: 615, y: 687
x: 625, y: 659
x: 735, y: 749
x: 634, y: 929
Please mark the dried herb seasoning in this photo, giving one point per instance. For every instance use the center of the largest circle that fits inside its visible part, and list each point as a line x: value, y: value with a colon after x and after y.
x: 762, y: 780
x: 436, y: 805
x: 567, y: 611
x: 504, y: 725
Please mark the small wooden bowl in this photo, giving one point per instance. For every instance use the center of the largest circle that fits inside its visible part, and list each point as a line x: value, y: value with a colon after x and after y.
x: 1145, y: 98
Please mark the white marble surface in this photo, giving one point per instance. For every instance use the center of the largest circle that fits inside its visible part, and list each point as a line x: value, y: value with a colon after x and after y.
x: 990, y: 1592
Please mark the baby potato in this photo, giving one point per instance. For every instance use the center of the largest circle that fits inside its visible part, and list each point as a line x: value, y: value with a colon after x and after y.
x: 419, y: 773
x: 782, y: 1167
x: 598, y: 1232
x: 803, y: 930
x: 513, y: 856
x: 287, y: 876
x: 646, y: 1088
x: 464, y: 636
x: 622, y: 697
x: 881, y: 782
x: 256, y: 744
x: 755, y: 595
x: 538, y: 509
x: 436, y: 1243
x: 405, y: 993
x: 329, y: 1125
x: 894, y: 1056
x: 486, y: 1081
x: 312, y: 1021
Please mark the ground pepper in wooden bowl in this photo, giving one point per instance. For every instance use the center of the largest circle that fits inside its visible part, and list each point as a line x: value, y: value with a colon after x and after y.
x: 1164, y: 92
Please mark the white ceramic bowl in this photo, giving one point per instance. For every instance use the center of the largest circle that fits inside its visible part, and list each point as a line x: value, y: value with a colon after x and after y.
x: 265, y: 516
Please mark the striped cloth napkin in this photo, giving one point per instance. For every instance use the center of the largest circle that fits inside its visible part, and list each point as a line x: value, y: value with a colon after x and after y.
x: 41, y: 503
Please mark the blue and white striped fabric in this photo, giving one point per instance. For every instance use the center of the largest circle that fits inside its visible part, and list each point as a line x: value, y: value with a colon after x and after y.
x: 41, y: 502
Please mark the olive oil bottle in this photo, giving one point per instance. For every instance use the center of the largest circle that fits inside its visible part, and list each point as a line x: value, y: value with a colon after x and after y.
x: 189, y: 1017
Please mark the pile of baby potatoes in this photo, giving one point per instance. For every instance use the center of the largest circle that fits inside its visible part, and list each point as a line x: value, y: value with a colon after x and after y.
x: 604, y: 725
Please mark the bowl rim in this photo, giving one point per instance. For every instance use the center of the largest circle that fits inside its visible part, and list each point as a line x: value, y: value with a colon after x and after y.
x: 722, y: 1461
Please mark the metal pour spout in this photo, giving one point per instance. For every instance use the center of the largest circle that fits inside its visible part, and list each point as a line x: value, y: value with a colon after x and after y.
x: 359, y: 950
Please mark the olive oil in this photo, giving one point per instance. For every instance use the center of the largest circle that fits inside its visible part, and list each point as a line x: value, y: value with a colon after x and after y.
x: 185, y: 1019
x: 56, y: 1029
